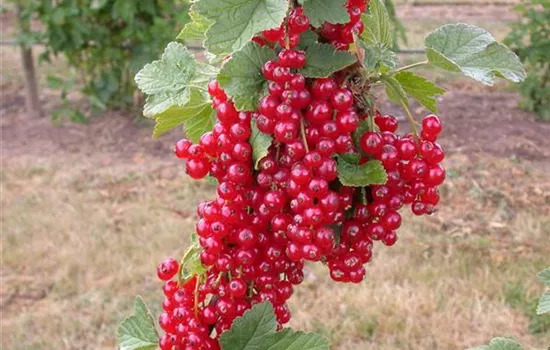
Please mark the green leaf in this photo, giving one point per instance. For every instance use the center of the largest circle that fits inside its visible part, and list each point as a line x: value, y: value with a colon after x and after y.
x: 260, y: 143
x: 474, y: 52
x: 500, y: 344
x: 138, y: 332
x: 166, y: 81
x: 256, y: 330
x: 375, y: 56
x: 197, y: 115
x: 544, y: 304
x: 544, y: 276
x: 237, y: 21
x: 369, y: 173
x: 320, y: 11
x: 196, y: 29
x: 394, y: 90
x: 323, y: 60
x: 377, y: 25
x: 242, y: 78
x: 421, y: 89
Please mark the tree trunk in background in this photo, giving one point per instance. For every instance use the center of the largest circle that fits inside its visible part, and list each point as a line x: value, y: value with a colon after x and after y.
x: 34, y: 109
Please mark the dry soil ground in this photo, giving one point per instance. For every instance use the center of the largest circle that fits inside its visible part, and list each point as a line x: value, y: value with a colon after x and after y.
x: 88, y: 212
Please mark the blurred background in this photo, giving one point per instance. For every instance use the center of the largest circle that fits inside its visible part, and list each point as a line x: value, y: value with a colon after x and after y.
x: 91, y: 203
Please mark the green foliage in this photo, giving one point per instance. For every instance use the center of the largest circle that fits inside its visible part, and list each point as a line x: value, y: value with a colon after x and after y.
x: 256, y: 330
x: 530, y: 39
x: 138, y: 332
x: 106, y: 41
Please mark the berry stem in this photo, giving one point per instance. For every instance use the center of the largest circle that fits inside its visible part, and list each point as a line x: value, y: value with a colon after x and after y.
x: 411, y: 66
x: 411, y: 120
x: 196, y: 304
x: 303, y: 134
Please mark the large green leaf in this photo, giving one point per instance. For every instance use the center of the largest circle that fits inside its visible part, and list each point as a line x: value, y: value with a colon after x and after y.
x: 359, y: 175
x: 377, y: 25
x: 421, y: 89
x: 196, y: 28
x: 474, y: 52
x: 323, y: 60
x: 197, y: 116
x: 138, y: 332
x: 256, y: 330
x: 320, y: 11
x: 237, y: 21
x: 500, y: 344
x: 242, y: 78
x: 260, y: 143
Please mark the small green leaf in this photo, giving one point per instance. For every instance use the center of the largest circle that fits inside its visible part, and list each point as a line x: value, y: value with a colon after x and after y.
x: 394, y: 90
x: 474, y: 52
x: 421, y: 89
x: 544, y: 276
x: 323, y: 60
x: 171, y: 73
x: 138, y: 332
x: 377, y: 25
x: 320, y: 11
x: 374, y: 56
x: 237, y: 21
x: 500, y: 344
x: 196, y: 28
x: 544, y: 304
x: 260, y: 143
x: 167, y: 80
x: 369, y: 173
x: 256, y: 330
x: 242, y: 78
x: 197, y: 116
x: 191, y: 264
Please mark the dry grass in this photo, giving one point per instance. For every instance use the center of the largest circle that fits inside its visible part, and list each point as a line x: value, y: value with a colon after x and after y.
x: 81, y: 238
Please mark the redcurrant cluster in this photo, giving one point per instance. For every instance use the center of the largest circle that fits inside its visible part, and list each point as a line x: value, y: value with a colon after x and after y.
x: 265, y: 222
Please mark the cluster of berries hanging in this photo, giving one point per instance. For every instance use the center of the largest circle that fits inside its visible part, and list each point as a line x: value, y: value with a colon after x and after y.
x: 267, y: 221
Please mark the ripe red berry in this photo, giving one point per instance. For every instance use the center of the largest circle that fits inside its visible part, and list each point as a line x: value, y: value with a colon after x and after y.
x: 167, y: 269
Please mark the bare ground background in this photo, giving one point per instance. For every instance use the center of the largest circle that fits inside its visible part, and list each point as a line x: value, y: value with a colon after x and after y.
x: 89, y: 210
